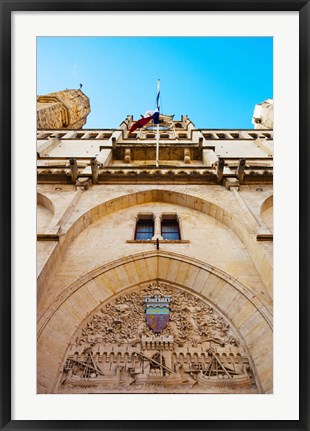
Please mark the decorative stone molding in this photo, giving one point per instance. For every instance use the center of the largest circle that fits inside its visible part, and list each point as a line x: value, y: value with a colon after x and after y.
x: 127, y: 155
x: 46, y: 202
x: 246, y: 313
x: 116, y: 351
x: 187, y: 155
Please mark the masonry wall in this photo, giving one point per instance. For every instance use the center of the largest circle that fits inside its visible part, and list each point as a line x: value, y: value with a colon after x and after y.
x: 87, y: 253
x: 94, y: 229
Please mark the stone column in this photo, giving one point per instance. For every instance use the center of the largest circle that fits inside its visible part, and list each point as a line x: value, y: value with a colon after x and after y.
x: 187, y: 155
x: 157, y: 227
x: 127, y: 156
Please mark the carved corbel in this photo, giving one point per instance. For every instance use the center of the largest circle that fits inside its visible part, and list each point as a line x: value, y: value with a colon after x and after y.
x: 83, y: 183
x: 74, y: 170
x: 94, y: 170
x: 220, y: 170
x: 240, y: 171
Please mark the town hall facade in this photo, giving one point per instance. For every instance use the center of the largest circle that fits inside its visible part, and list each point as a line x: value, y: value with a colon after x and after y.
x: 153, y: 277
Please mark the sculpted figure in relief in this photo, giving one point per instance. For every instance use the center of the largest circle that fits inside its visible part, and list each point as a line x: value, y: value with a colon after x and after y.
x: 117, y: 351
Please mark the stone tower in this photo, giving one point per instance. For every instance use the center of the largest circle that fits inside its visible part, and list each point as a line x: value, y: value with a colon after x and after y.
x: 67, y: 109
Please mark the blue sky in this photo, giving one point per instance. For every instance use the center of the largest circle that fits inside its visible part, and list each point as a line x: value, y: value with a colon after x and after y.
x: 216, y: 81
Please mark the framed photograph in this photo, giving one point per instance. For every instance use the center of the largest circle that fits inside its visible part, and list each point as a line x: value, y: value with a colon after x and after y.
x: 155, y: 275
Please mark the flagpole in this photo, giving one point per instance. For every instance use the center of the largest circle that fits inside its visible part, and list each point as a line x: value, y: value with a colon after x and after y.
x: 157, y: 134
x: 157, y: 147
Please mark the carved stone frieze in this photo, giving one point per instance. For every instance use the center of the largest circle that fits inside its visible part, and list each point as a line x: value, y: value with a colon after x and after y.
x: 117, y: 351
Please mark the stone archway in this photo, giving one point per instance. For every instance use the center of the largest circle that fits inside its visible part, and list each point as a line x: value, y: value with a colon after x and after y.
x: 240, y: 227
x: 45, y: 210
x: 117, y: 349
x: 250, y: 319
x: 266, y: 211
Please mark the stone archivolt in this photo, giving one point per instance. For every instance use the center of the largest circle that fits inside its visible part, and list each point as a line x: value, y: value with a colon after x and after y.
x: 116, y: 351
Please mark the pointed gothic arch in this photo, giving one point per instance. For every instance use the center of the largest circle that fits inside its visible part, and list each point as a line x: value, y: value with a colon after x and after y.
x: 244, y: 231
x: 249, y: 316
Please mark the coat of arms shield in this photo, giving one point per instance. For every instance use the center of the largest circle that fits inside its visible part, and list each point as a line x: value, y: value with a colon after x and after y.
x: 157, y: 312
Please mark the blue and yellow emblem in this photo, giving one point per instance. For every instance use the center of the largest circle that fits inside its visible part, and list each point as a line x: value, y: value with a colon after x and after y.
x: 157, y: 312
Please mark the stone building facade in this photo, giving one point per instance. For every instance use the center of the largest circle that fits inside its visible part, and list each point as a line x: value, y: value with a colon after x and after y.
x: 154, y: 279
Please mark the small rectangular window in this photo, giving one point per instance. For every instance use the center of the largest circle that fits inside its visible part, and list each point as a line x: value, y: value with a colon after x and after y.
x: 267, y: 135
x: 43, y: 135
x: 58, y: 135
x: 170, y: 229
x: 208, y: 135
x: 144, y: 229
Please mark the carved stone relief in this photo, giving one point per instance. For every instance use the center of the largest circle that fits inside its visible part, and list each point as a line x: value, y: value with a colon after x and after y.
x: 117, y: 350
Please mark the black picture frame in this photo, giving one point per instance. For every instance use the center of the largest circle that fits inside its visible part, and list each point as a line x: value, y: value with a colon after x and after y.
x: 7, y: 7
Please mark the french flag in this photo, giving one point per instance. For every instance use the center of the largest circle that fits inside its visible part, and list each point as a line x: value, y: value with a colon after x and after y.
x: 149, y: 115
